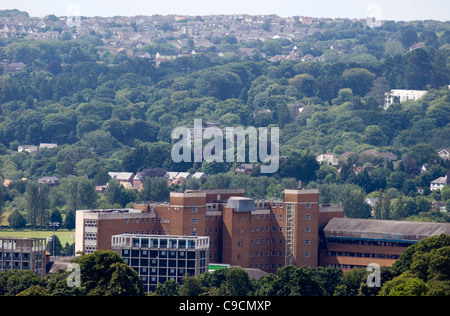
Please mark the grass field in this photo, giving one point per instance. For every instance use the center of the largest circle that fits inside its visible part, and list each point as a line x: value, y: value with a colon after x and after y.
x: 64, y: 236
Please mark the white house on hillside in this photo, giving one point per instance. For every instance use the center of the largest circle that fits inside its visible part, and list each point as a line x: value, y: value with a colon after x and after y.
x: 330, y: 159
x: 402, y: 96
x: 444, y: 154
x: 27, y: 148
x: 439, y: 184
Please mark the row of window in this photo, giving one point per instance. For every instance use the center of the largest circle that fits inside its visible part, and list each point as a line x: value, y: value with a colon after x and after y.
x: 262, y: 240
x: 155, y: 263
x: 90, y: 223
x: 306, y: 254
x: 166, y: 220
x: 362, y: 255
x: 344, y: 266
x: 153, y: 232
x: 267, y: 254
x: 368, y: 242
x: 160, y: 220
x: 261, y: 266
x: 160, y: 254
x: 90, y: 236
x: 280, y: 241
x: 15, y: 256
x: 274, y: 229
x: 154, y: 272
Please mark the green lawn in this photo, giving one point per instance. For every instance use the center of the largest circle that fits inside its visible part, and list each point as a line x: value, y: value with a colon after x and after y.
x: 64, y: 236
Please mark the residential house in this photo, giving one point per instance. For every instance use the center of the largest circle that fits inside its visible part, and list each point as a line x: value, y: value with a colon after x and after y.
x: 27, y: 148
x: 444, y: 154
x: 125, y: 178
x: 439, y: 183
x: 13, y: 67
x: 199, y: 176
x: 372, y: 202
x: 50, y: 181
x: 388, y: 156
x: 347, y: 154
x: 181, y: 177
x: 47, y: 146
x: 170, y: 176
x: 308, y: 57
x: 246, y: 168
x: 417, y: 46
x: 439, y: 206
x: 329, y: 159
x: 401, y: 96
x: 138, y: 181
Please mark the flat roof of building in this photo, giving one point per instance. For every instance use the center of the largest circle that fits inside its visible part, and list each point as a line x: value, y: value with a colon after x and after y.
x: 301, y: 191
x: 383, y: 229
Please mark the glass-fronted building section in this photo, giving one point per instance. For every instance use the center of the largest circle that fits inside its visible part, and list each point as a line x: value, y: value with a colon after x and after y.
x: 158, y: 259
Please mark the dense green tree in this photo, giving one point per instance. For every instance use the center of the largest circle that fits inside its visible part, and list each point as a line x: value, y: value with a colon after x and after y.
x: 418, y: 70
x: 105, y: 273
x: 191, y: 287
x: 301, y: 167
x: 37, y: 201
x: 360, y: 80
x: 16, y: 220
x: 13, y: 282
x: 404, y: 285
x: 355, y: 205
x: 155, y: 189
x: 409, y: 37
x: 115, y: 193
x: 168, y: 288
x: 373, y: 135
x: 290, y: 281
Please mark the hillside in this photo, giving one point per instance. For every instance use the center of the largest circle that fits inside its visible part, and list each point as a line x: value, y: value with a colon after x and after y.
x: 113, y: 108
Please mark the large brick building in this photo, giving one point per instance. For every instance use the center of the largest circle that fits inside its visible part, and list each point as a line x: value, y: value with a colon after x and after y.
x: 243, y: 232
x: 265, y: 235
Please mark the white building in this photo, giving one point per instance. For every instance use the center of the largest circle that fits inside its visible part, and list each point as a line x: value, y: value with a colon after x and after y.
x: 27, y: 148
x: 329, y: 159
x: 444, y: 154
x: 160, y: 258
x: 438, y: 184
x: 47, y: 146
x: 402, y: 96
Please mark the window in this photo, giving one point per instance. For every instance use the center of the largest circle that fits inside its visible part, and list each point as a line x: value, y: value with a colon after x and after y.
x: 194, y: 209
x: 308, y: 205
x: 307, y: 242
x: 194, y: 220
x: 307, y: 229
x: 308, y: 217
